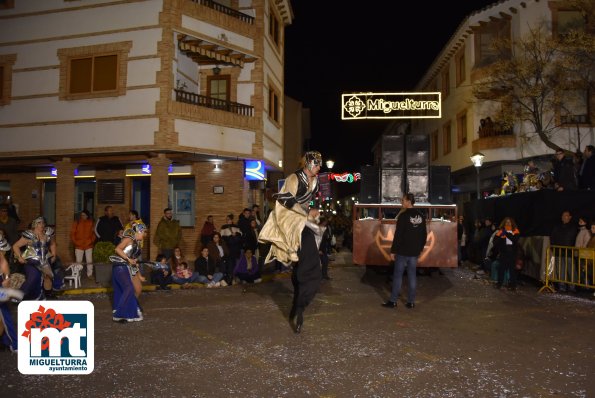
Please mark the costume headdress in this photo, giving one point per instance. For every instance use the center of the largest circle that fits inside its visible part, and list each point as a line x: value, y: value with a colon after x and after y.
x: 312, y: 159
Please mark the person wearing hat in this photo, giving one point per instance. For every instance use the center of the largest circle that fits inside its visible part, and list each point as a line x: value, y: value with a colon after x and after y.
x: 124, y: 267
x: 292, y: 228
x: 9, y: 338
x: 39, y: 253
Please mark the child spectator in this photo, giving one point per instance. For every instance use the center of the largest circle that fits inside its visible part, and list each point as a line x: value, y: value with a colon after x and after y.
x: 183, y: 275
x: 161, y: 275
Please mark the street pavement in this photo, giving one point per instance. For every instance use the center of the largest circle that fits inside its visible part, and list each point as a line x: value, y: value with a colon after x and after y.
x: 463, y: 339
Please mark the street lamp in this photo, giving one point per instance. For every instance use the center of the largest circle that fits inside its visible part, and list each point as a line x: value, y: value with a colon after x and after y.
x: 330, y: 164
x: 477, y: 160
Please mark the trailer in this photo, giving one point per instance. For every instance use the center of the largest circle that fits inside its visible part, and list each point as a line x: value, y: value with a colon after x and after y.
x: 374, y: 229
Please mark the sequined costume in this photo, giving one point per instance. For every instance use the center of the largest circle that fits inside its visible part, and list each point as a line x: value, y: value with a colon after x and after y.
x: 36, y: 255
x: 9, y: 338
x: 125, y: 303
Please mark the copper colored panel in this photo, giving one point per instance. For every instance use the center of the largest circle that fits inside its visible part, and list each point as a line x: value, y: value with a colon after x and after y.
x: 372, y: 240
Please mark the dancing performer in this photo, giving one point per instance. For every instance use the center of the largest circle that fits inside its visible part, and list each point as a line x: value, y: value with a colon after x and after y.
x: 292, y: 229
x: 40, y: 251
x: 124, y: 267
x: 9, y: 338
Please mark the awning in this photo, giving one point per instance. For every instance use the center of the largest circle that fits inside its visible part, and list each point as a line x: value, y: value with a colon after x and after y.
x: 205, y: 53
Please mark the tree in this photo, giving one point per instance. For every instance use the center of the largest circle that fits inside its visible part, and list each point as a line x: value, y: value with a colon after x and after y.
x: 531, y: 75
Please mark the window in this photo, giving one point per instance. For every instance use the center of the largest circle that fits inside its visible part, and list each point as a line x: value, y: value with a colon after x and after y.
x: 485, y: 37
x: 218, y: 89
x: 274, y: 28
x: 460, y: 63
x: 575, y: 107
x: 181, y: 194
x: 93, y: 74
x: 567, y: 21
x: 6, y: 63
x: 93, y: 71
x: 462, y: 129
x: 445, y: 83
x: 434, y: 144
x: 446, y: 138
x: 6, y: 4
x: 274, y: 104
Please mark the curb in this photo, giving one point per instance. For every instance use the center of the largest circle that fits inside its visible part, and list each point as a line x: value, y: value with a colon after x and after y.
x: 152, y: 288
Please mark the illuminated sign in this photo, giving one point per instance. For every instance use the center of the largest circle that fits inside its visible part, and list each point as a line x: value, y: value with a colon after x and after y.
x: 145, y: 170
x: 254, y: 170
x: 346, y: 177
x: 390, y: 106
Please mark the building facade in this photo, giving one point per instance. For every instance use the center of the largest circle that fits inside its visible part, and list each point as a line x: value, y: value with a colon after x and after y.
x: 461, y: 64
x: 139, y: 105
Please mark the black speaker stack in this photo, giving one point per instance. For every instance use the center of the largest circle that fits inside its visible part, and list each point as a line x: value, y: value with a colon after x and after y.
x: 405, y: 167
x: 393, y: 155
x: 440, y: 185
x: 417, y: 148
x: 368, y: 192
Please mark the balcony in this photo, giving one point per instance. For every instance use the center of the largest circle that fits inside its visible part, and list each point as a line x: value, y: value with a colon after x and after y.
x: 493, y: 135
x: 214, y: 103
x: 226, y: 10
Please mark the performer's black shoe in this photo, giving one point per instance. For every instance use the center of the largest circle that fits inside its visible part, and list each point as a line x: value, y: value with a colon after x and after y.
x: 410, y: 305
x: 299, y: 324
x: 389, y: 304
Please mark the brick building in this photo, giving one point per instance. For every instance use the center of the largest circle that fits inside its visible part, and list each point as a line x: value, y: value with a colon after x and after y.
x: 139, y: 104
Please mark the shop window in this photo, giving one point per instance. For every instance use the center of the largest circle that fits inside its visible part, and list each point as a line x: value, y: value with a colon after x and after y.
x: 182, y: 200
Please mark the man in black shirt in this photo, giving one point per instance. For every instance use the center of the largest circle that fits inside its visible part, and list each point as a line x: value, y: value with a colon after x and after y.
x: 408, y: 243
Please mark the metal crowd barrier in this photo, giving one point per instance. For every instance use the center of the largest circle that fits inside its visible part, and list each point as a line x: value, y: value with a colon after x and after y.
x: 569, y: 265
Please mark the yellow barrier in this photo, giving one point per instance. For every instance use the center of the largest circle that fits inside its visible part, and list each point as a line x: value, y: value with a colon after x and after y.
x: 569, y: 265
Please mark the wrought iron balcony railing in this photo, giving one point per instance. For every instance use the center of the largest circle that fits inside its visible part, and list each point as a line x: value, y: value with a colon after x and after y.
x: 226, y: 10
x: 214, y: 103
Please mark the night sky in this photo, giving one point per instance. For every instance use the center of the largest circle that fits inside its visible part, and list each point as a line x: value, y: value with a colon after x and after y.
x: 335, y: 47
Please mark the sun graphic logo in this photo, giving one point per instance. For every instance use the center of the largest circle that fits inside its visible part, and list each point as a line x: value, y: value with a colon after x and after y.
x: 354, y: 106
x: 56, y: 337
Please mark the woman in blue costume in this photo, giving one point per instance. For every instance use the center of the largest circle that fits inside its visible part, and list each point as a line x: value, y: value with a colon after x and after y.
x: 124, y: 267
x: 9, y: 338
x: 40, y: 251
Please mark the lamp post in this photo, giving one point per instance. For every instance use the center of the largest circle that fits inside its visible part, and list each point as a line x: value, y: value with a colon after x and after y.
x: 477, y: 160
